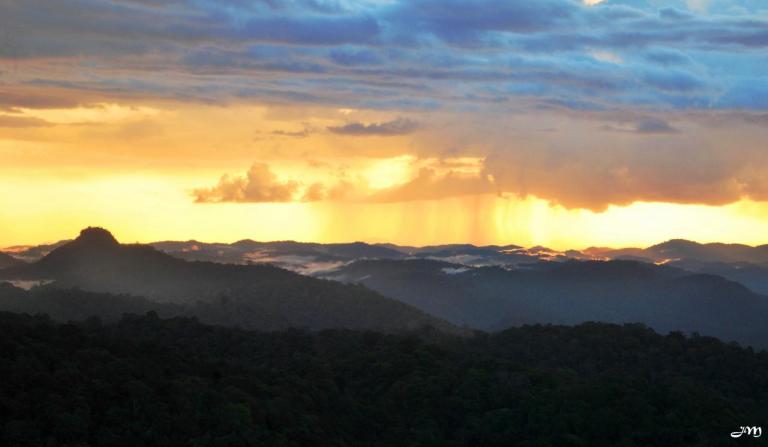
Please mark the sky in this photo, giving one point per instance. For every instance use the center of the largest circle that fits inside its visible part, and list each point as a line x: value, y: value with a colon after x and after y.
x: 563, y: 123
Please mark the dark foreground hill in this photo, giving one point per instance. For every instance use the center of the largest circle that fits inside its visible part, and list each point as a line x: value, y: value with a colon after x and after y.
x: 573, y: 292
x: 78, y: 305
x: 144, y: 381
x: 7, y: 260
x: 253, y: 296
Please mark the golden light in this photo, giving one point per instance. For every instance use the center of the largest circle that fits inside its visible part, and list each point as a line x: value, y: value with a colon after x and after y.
x: 131, y: 169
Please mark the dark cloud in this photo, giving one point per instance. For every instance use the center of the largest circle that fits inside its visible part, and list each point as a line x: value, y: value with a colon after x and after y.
x: 653, y: 125
x: 674, y: 14
x: 465, y: 22
x: 667, y: 57
x: 645, y: 126
x: 400, y: 126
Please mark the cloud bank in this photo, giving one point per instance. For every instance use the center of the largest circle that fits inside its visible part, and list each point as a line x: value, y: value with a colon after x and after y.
x: 400, y: 54
x: 584, y: 105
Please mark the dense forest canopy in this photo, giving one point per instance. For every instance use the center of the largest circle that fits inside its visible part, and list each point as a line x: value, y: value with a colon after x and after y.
x: 145, y: 381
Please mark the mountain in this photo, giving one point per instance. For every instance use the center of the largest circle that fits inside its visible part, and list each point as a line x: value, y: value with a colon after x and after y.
x: 78, y: 305
x: 7, y: 260
x: 753, y: 276
x: 492, y: 298
x: 315, y: 259
x: 677, y: 249
x: 302, y: 257
x: 737, y: 262
x: 740, y: 263
x: 257, y: 296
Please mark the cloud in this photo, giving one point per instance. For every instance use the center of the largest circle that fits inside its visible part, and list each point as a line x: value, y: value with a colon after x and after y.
x: 259, y: 184
x: 653, y: 125
x: 438, y: 180
x: 645, y: 126
x: 318, y: 192
x: 674, y: 14
x: 747, y: 94
x: 303, y: 133
x: 17, y: 98
x: 672, y: 80
x: 389, y: 54
x: 667, y: 57
x: 355, y: 56
x: 399, y: 126
x: 593, y: 173
x: 22, y: 121
x: 321, y: 30
x: 475, y: 70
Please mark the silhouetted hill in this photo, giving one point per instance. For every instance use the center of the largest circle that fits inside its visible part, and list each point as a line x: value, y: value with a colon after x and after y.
x: 493, y: 298
x: 259, y: 296
x: 146, y: 381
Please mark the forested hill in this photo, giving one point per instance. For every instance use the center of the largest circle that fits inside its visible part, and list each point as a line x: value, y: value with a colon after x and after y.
x: 144, y: 381
x: 492, y: 298
x: 253, y: 296
x: 7, y: 260
x: 332, y: 307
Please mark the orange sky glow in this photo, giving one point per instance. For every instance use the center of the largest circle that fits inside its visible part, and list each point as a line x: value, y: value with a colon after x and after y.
x: 564, y: 123
x: 134, y: 169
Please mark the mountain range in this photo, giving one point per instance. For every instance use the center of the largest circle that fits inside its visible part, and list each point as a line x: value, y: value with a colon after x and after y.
x: 492, y: 298
x: 253, y: 296
x: 741, y: 263
x: 714, y: 289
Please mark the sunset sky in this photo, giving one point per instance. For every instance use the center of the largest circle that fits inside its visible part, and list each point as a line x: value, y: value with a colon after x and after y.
x: 550, y: 122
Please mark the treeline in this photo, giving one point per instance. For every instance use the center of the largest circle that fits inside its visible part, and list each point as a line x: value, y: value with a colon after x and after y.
x: 321, y: 305
x: 146, y: 381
